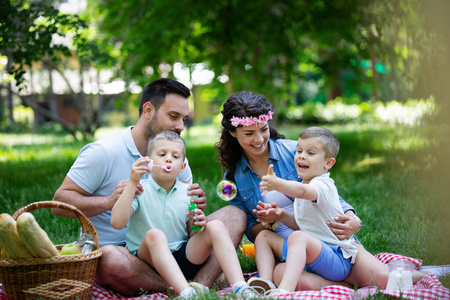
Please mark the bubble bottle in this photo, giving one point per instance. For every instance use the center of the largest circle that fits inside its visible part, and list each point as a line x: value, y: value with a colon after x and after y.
x: 192, y: 207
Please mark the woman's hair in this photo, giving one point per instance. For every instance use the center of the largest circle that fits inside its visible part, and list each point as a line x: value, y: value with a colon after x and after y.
x: 241, y: 105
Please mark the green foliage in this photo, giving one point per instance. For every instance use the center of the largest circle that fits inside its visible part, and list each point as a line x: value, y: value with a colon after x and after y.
x: 259, y: 45
x: 33, y: 23
x: 412, y: 112
x: 24, y: 119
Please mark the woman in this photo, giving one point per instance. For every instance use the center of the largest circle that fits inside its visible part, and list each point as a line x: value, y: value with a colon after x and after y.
x: 247, y: 147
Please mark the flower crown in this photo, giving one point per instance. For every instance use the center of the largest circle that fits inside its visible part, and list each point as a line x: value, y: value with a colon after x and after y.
x: 248, y: 121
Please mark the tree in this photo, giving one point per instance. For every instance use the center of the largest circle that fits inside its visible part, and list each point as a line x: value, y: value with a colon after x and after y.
x: 27, y: 30
x: 259, y: 45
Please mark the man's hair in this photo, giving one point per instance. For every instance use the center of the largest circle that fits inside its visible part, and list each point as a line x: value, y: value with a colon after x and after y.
x: 156, y: 91
x: 328, y: 140
x: 168, y: 135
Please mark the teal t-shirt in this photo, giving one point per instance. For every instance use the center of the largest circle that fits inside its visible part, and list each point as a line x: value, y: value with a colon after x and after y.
x: 99, y: 167
x: 155, y: 209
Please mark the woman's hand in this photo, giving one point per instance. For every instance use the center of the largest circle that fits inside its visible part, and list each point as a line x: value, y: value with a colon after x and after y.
x: 268, y: 213
x: 345, y: 226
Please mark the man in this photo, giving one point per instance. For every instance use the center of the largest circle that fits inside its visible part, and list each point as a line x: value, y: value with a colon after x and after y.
x: 99, y: 175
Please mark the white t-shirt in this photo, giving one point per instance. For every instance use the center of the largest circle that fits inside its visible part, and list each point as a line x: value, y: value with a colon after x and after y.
x: 312, y: 216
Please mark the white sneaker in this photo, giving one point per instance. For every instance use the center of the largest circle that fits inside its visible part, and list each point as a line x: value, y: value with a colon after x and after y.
x: 263, y: 283
x: 278, y: 292
x: 189, y: 295
x: 199, y: 288
x: 246, y: 292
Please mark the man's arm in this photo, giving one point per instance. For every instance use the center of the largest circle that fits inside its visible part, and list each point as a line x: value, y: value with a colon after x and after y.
x: 69, y: 192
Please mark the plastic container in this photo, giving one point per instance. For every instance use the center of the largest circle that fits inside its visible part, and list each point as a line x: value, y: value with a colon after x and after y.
x: 192, y: 207
x: 400, y: 276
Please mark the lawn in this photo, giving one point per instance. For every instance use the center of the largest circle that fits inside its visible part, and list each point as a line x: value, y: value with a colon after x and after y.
x: 397, y: 179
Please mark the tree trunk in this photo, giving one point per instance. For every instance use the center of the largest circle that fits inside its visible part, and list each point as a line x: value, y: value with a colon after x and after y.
x: 10, y: 93
x: 375, y: 78
x: 52, y: 102
x: 334, y: 86
x: 34, y: 100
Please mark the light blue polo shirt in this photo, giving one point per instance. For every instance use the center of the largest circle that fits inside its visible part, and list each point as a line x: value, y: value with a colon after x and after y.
x: 154, y: 208
x: 99, y: 167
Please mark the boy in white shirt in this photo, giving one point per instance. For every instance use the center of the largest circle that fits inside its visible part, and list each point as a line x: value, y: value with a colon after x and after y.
x: 159, y: 228
x: 316, y: 201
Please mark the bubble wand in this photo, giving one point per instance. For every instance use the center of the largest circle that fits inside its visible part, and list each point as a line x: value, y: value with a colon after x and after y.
x: 165, y: 167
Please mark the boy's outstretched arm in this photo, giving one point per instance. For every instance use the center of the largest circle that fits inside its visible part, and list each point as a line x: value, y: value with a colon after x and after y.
x: 290, y: 188
x: 122, y: 210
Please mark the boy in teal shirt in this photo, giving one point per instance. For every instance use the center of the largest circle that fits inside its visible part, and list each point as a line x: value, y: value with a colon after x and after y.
x: 159, y: 224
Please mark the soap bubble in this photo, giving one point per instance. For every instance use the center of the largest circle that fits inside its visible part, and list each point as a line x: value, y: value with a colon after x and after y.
x: 226, y: 190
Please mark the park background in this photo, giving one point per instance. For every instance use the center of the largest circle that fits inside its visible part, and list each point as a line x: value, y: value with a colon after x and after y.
x: 374, y: 72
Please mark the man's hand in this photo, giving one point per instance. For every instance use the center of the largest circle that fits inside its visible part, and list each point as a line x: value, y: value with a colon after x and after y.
x: 118, y: 190
x: 194, y: 189
x: 344, y: 226
x: 268, y: 182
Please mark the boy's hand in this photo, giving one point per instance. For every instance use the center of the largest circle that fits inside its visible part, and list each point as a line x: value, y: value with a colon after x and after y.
x: 198, y: 219
x: 138, y: 168
x: 268, y: 182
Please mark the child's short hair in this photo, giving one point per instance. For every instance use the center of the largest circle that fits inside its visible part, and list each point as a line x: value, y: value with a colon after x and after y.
x: 328, y: 140
x: 166, y: 135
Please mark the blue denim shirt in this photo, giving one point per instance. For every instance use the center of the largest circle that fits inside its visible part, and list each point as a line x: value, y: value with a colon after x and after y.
x: 281, y: 155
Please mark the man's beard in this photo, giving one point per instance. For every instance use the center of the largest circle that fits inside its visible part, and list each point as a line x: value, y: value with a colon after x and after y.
x: 153, y: 127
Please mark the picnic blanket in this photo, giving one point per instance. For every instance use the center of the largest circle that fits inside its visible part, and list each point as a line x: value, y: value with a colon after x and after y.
x: 428, y: 288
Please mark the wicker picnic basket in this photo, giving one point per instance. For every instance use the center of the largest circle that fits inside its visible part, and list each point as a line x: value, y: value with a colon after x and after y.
x: 57, y: 277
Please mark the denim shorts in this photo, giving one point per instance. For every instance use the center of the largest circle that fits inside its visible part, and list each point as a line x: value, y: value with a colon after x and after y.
x: 330, y: 264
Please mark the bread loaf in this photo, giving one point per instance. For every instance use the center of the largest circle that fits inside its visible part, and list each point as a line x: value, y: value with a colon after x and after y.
x: 34, y: 238
x: 10, y: 240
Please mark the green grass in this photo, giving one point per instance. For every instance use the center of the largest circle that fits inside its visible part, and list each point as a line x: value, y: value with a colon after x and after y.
x: 396, y: 178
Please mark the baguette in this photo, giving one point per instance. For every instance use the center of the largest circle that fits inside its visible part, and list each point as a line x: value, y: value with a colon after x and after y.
x: 10, y: 240
x: 34, y: 238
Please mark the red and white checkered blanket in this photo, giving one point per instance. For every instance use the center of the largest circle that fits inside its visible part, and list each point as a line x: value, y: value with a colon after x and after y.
x: 429, y: 288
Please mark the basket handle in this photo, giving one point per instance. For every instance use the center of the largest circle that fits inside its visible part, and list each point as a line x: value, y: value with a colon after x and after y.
x: 86, y: 225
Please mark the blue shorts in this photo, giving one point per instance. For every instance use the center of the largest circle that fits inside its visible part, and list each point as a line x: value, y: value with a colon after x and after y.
x: 189, y: 269
x: 330, y: 264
